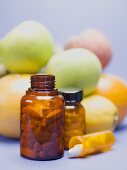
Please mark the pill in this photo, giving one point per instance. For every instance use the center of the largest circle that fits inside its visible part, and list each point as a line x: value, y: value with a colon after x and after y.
x: 29, y: 152
x: 42, y: 154
x: 80, y: 146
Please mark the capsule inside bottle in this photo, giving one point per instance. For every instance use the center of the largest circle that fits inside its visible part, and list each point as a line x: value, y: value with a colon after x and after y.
x: 42, y: 120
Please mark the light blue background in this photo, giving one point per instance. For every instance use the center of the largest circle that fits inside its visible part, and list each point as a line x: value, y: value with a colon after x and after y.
x: 68, y: 17
x: 65, y: 18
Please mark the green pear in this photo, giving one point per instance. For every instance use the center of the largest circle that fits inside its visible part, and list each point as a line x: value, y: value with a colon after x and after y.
x: 27, y: 48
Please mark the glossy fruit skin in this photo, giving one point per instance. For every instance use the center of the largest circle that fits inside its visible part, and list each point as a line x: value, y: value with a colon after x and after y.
x: 115, y: 89
x: 42, y: 125
x: 78, y: 68
x: 12, y: 88
x: 101, y: 114
x: 94, y: 41
x: 26, y: 48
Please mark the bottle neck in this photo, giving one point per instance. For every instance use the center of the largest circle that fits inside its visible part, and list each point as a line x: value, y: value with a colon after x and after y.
x: 42, y: 82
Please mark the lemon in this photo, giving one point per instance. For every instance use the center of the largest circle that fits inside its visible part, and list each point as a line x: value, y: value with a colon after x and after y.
x: 101, y: 114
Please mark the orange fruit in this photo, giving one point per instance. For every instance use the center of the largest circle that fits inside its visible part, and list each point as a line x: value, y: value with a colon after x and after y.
x: 115, y: 89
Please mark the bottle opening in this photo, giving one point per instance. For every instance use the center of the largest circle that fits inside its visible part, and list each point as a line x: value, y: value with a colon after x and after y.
x: 45, y: 82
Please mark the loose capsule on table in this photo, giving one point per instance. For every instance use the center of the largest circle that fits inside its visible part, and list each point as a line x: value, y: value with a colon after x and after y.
x: 81, y: 146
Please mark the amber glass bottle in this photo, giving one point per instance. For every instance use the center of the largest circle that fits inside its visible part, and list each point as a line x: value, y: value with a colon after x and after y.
x: 42, y: 120
x: 74, y: 114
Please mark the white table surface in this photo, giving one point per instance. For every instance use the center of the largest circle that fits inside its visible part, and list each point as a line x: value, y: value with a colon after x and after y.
x: 116, y: 159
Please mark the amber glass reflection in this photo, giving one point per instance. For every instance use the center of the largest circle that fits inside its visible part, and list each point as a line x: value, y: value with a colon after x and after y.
x: 74, y: 121
x: 42, y: 125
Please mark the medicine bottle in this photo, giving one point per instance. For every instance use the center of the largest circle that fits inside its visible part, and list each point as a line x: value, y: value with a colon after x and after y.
x: 42, y: 120
x: 74, y: 114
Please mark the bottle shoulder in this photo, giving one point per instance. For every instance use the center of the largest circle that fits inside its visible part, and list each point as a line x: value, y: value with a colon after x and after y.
x: 40, y: 97
x: 74, y: 107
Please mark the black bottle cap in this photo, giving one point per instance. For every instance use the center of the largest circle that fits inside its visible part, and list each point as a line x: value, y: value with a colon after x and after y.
x: 72, y: 94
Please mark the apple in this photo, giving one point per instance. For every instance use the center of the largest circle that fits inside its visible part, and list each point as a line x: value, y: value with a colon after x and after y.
x: 95, y: 41
x: 26, y: 48
x: 75, y: 68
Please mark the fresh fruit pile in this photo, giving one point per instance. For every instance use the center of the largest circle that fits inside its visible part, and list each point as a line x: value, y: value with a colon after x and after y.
x: 29, y: 48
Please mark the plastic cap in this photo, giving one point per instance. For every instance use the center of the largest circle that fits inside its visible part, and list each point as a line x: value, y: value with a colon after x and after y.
x: 72, y: 94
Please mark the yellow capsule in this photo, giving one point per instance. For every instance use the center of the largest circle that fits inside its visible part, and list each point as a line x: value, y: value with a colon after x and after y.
x: 80, y: 146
